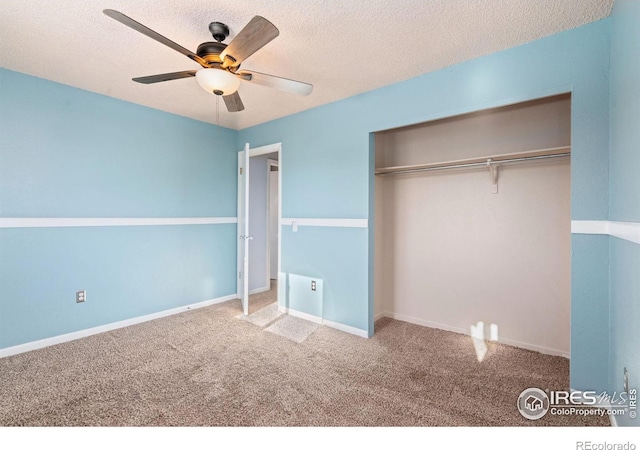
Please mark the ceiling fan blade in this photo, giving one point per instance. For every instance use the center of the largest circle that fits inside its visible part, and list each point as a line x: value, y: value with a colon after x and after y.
x: 283, y: 84
x: 255, y: 35
x: 233, y: 102
x: 128, y: 21
x: 165, y: 77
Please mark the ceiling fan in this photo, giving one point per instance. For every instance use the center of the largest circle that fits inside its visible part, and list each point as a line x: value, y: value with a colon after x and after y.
x: 220, y: 62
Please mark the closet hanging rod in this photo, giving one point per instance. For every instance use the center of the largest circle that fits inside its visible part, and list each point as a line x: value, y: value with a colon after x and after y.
x: 479, y: 162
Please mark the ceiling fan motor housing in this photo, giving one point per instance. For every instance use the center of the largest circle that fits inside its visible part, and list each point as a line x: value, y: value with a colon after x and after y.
x: 210, y: 52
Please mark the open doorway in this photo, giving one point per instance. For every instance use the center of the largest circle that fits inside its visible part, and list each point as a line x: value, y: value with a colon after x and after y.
x: 273, y: 231
x: 259, y: 207
x: 263, y: 223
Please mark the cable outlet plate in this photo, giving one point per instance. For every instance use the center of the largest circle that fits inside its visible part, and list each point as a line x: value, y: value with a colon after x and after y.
x: 81, y: 296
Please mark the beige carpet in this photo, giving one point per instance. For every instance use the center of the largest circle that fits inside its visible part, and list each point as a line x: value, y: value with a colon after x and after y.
x: 264, y: 316
x: 207, y: 368
x: 293, y: 328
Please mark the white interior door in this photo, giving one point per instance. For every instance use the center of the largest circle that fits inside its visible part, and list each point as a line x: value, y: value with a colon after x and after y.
x: 243, y: 228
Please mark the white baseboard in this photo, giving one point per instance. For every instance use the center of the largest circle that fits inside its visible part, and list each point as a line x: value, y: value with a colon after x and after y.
x: 466, y: 331
x: 378, y: 316
x: 35, y: 345
x: 425, y: 323
x: 321, y: 321
x: 305, y: 316
x: 346, y: 328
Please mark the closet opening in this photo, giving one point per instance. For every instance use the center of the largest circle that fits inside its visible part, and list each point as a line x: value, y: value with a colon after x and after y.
x: 473, y: 225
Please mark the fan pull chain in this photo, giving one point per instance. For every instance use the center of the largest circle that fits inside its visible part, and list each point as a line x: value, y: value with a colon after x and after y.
x: 218, y: 110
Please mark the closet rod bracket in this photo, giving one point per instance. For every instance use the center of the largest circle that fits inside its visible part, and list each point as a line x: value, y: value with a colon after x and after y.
x: 493, y: 173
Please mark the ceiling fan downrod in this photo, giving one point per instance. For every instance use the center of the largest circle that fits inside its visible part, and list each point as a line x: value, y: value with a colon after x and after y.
x: 219, y: 31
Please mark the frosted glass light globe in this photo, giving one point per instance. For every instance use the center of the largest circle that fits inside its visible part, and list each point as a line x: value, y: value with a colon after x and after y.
x: 217, y: 81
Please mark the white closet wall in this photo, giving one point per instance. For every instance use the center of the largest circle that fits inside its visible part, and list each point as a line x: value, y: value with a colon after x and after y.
x: 449, y: 253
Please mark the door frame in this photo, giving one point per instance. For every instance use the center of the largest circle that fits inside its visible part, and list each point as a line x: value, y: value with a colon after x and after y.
x: 259, y: 151
x: 271, y: 163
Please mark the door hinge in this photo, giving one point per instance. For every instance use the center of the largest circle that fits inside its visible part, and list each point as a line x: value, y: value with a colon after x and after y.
x: 239, y: 275
x: 240, y: 170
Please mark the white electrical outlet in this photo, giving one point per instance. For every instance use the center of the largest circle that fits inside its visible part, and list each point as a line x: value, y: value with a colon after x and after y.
x: 81, y: 296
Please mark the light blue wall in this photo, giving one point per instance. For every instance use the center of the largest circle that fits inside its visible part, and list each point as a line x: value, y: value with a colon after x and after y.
x: 327, y: 167
x: 589, y: 312
x: 127, y: 272
x: 625, y: 315
x: 65, y: 152
x: 625, y: 112
x: 71, y: 153
x: 625, y: 196
x: 338, y: 257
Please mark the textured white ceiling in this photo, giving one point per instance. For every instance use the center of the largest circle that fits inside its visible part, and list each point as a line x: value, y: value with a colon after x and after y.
x: 342, y: 47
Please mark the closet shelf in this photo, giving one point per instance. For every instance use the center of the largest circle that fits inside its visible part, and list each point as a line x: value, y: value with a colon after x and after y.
x: 546, y: 153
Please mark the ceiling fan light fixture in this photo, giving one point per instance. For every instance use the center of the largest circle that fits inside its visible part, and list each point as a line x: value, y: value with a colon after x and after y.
x: 219, y: 61
x: 217, y: 81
